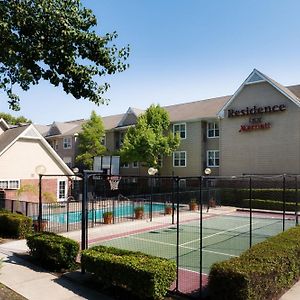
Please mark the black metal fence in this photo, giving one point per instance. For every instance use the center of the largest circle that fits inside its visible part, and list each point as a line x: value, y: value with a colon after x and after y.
x: 233, y: 213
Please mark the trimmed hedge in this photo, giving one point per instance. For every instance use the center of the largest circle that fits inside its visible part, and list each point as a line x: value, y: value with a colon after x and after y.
x: 144, y: 275
x: 14, y: 225
x: 262, y: 272
x: 269, y: 205
x: 53, y: 251
x: 232, y: 196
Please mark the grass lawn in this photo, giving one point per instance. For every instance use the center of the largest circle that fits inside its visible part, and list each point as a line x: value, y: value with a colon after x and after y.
x: 7, y: 293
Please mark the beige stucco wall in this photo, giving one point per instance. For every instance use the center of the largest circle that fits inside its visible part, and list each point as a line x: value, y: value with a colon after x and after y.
x: 266, y: 151
x: 192, y: 145
x: 20, y: 161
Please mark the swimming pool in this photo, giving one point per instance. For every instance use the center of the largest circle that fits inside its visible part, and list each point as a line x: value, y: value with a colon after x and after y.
x: 97, y: 214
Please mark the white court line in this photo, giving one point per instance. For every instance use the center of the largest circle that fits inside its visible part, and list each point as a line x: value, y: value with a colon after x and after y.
x: 220, y: 232
x: 174, y: 245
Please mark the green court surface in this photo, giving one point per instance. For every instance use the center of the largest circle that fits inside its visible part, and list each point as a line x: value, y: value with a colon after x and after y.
x: 224, y: 237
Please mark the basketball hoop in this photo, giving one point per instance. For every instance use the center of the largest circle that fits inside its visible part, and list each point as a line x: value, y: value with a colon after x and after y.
x: 114, y: 182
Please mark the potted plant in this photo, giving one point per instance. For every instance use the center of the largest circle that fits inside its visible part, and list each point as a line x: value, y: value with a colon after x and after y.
x: 212, y: 202
x: 168, y: 209
x: 44, y: 224
x: 193, y: 205
x: 139, y: 212
x: 108, y: 217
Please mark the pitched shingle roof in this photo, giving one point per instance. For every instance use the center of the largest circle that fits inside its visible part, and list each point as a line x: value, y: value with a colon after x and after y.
x: 10, y: 135
x: 196, y: 110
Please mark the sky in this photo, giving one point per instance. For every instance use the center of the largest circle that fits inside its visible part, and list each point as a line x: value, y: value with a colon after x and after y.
x: 180, y: 51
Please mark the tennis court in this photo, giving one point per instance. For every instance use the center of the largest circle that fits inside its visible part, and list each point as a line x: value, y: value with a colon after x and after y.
x: 223, y: 237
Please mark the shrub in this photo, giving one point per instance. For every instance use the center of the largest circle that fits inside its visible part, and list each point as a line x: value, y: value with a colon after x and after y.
x: 139, y: 209
x: 262, y: 272
x: 269, y: 204
x: 53, y: 251
x: 107, y: 214
x: 144, y: 275
x: 233, y: 196
x: 14, y: 225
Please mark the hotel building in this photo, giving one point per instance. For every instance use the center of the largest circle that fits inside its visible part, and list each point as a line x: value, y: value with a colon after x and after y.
x: 254, y: 131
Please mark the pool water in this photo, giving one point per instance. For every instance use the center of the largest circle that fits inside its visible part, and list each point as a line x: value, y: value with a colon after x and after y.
x: 97, y: 214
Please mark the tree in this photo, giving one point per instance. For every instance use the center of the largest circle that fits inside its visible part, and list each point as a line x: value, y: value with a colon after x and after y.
x: 9, y: 119
x: 150, y: 138
x: 90, y: 141
x: 53, y: 40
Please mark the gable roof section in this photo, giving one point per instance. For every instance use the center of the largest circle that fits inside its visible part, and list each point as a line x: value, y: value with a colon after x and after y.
x: 203, y: 109
x: 257, y: 77
x: 129, y: 118
x: 3, y: 124
x: 12, y: 135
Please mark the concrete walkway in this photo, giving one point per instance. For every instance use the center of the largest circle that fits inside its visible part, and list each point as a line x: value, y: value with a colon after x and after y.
x: 34, y: 283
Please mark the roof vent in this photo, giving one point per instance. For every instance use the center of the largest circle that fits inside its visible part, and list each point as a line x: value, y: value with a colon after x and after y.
x: 255, y: 78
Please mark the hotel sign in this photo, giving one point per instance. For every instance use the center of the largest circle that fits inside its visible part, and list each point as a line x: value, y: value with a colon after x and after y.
x: 255, y: 110
x: 255, y: 116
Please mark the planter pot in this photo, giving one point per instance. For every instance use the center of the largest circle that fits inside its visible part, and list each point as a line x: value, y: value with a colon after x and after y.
x: 108, y: 219
x: 44, y: 224
x: 212, y: 202
x: 193, y: 206
x: 139, y: 214
x: 168, y: 210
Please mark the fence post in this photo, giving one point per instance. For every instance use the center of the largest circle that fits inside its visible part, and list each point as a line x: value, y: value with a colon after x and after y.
x: 201, y: 234
x: 83, y: 215
x: 250, y: 206
x: 68, y: 211
x: 284, y: 204
x: 40, y: 203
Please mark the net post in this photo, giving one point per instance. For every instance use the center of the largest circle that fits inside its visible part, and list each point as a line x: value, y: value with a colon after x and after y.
x: 250, y: 209
x: 283, y: 201
x: 296, y: 191
x: 201, y: 235
x: 177, y: 233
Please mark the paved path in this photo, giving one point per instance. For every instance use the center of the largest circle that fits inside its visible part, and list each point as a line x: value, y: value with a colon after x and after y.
x: 35, y: 283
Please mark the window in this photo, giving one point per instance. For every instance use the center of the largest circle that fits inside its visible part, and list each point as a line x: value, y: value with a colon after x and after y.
x: 212, y: 130
x: 125, y: 165
x: 54, y: 145
x: 213, y: 158
x: 68, y: 161
x: 61, y: 190
x: 179, y: 159
x: 103, y: 140
x: 10, y: 184
x: 135, y: 164
x: 180, y: 128
x: 67, y: 143
x: 160, y: 161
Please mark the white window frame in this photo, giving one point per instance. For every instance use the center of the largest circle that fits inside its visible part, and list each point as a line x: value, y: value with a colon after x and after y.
x: 214, y: 165
x: 59, y: 198
x: 160, y: 160
x: 68, y: 160
x: 215, y: 128
x: 67, y: 143
x: 179, y: 130
x: 135, y: 164
x: 125, y: 165
x: 179, y: 159
x: 103, y: 140
x: 9, y: 184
